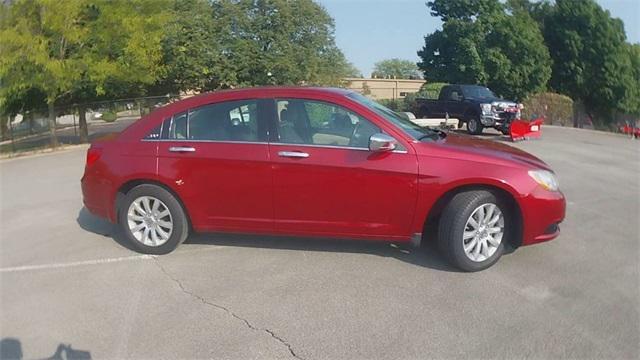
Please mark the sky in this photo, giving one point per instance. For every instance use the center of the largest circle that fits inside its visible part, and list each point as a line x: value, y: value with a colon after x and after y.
x: 368, y: 31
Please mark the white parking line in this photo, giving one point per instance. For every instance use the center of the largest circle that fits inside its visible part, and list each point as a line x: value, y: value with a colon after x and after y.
x: 74, y: 264
x: 103, y: 261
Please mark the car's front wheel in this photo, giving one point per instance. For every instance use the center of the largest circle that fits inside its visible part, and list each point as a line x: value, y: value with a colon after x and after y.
x: 153, y: 220
x: 472, y: 230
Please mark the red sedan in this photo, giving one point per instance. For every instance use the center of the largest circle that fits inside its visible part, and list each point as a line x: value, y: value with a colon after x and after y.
x: 317, y: 162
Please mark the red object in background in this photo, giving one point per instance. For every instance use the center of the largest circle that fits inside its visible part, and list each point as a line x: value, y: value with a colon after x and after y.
x: 327, y: 191
x: 630, y: 130
x: 525, y: 130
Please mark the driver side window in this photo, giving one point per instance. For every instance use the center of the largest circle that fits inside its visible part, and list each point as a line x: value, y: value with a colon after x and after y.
x: 321, y: 123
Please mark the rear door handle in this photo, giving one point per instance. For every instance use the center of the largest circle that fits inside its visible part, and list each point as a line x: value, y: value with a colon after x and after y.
x: 293, y: 154
x: 182, y: 149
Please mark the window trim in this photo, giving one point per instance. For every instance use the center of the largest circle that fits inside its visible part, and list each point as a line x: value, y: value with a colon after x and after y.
x: 264, y: 102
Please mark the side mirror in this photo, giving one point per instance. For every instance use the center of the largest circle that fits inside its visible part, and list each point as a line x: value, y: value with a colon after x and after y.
x: 382, y: 142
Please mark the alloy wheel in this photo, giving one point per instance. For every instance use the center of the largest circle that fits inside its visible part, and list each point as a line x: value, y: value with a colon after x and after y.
x: 473, y: 126
x: 483, y: 232
x: 150, y: 221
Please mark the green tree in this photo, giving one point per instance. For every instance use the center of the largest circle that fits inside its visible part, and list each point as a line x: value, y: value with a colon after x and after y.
x: 516, y: 59
x: 277, y: 42
x: 481, y: 42
x: 80, y: 49
x: 352, y: 71
x: 396, y: 69
x: 192, y: 53
x: 591, y: 59
x: 453, y: 54
x: 35, y: 44
x: 465, y: 10
x: 631, y: 101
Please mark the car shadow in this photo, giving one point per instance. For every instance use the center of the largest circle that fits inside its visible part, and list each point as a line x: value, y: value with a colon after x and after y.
x: 426, y: 255
x: 100, y: 226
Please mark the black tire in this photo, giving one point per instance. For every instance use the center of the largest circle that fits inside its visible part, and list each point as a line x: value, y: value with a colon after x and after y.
x: 474, y: 125
x: 180, y: 222
x: 452, y: 226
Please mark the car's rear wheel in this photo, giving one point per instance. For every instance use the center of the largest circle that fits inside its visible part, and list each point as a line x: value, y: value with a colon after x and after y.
x: 472, y: 230
x: 474, y: 126
x: 153, y: 220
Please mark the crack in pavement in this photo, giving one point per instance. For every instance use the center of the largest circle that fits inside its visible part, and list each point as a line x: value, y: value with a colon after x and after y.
x: 227, y: 310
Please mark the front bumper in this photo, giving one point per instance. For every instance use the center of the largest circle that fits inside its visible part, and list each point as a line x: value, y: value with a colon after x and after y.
x: 489, y: 120
x: 498, y: 118
x: 542, y: 212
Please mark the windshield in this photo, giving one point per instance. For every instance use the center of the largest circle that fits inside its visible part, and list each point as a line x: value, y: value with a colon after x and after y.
x: 414, y: 130
x: 478, y: 92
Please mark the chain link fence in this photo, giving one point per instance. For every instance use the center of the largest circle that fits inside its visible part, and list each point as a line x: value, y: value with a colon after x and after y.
x: 31, y: 130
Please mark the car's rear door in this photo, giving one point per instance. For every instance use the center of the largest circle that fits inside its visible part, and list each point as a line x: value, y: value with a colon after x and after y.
x: 217, y: 158
x: 327, y: 182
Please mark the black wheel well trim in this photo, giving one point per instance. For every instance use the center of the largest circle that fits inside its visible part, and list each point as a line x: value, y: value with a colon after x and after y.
x: 430, y: 226
x: 127, y: 186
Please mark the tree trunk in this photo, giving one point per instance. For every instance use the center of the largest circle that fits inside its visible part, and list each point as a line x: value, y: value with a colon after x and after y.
x: 84, y: 130
x: 4, y: 127
x: 52, y: 124
x: 29, y: 116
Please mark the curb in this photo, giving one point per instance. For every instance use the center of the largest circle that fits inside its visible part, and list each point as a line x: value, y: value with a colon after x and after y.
x: 41, y: 152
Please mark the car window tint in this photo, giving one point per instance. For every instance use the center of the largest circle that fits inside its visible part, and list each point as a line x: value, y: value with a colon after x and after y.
x: 320, y: 123
x: 178, y: 128
x: 226, y: 121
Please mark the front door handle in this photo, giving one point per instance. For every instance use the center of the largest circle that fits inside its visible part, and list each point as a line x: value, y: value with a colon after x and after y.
x: 182, y: 149
x: 293, y: 154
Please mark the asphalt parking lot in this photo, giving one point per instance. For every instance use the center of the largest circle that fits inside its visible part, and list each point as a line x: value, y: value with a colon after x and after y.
x: 67, y: 278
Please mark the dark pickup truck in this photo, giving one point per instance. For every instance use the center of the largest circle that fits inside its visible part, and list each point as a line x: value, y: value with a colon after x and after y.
x: 475, y: 105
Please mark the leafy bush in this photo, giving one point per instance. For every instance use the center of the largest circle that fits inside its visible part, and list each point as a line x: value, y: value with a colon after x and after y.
x: 410, y: 104
x: 557, y: 109
x: 109, y: 116
x: 393, y: 104
x: 401, y: 105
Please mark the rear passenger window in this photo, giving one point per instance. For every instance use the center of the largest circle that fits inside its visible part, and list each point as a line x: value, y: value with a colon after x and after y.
x: 227, y: 121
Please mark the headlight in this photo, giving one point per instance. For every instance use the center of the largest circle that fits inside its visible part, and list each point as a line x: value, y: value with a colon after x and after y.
x: 486, y: 108
x: 545, y: 178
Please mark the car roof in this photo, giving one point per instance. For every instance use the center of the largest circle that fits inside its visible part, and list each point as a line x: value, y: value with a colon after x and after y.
x: 265, y: 90
x: 252, y: 92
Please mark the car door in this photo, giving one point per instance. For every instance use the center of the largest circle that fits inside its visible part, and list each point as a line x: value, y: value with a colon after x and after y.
x: 327, y: 182
x: 457, y: 103
x: 216, y: 157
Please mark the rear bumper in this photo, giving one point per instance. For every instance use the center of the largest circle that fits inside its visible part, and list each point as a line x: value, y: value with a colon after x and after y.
x: 542, y: 212
x: 95, y: 197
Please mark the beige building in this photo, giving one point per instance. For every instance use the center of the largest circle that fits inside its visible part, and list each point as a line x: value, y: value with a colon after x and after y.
x: 384, y: 88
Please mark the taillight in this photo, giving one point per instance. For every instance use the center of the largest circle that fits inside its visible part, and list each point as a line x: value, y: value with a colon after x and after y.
x: 93, y: 154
